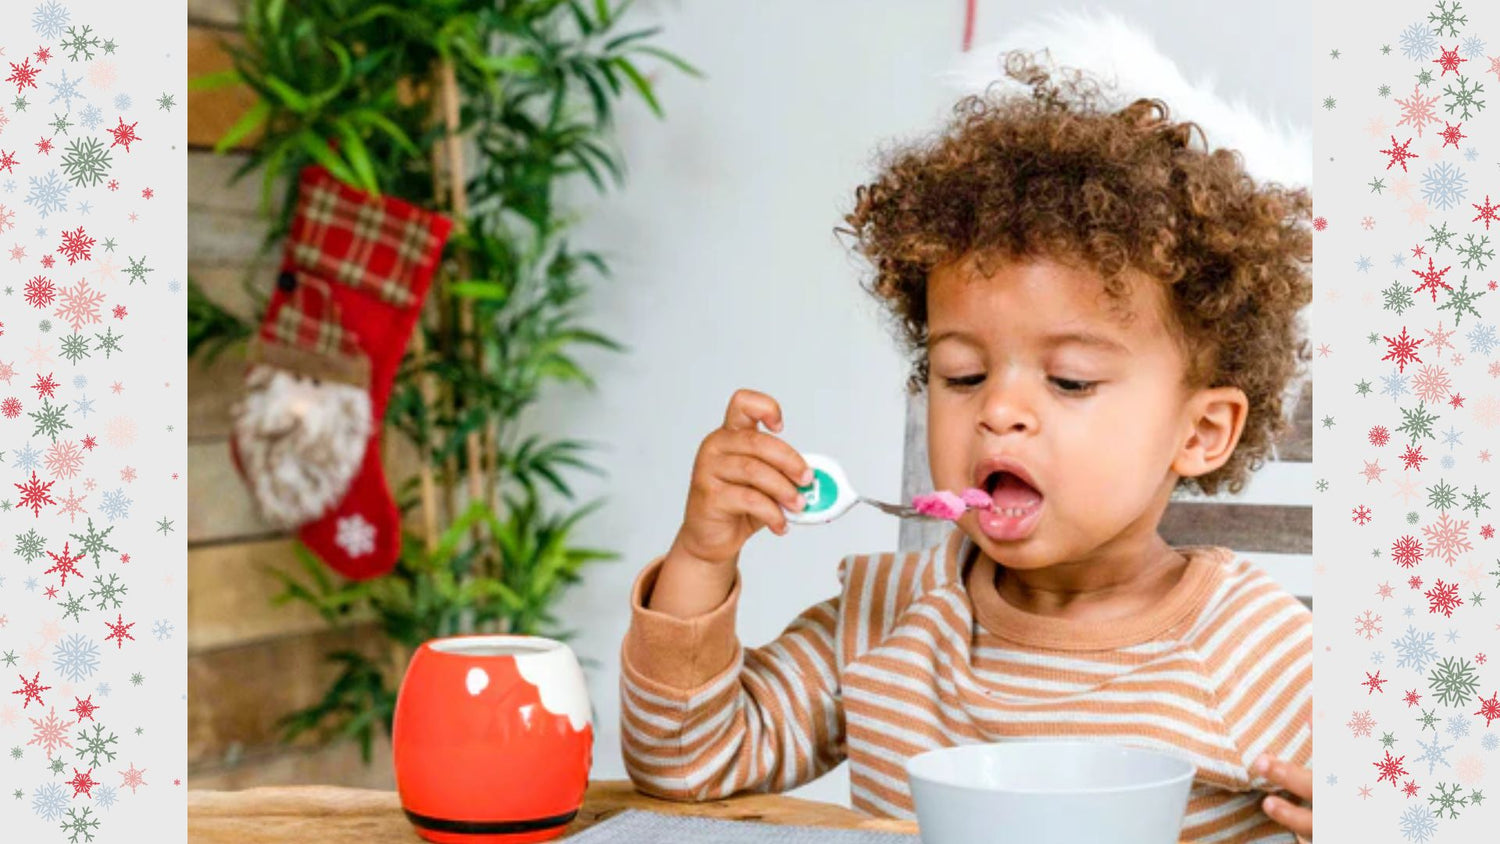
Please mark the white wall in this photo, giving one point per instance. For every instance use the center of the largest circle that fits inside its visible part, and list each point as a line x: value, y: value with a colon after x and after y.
x: 728, y: 274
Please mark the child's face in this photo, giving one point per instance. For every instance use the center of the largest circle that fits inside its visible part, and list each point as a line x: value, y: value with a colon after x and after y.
x: 1035, y: 364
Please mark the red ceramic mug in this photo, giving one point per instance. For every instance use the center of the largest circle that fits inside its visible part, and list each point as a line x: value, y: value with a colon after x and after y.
x: 492, y: 739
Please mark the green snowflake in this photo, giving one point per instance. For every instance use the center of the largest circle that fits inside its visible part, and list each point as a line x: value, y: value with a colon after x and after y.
x: 137, y: 678
x: 49, y: 420
x: 75, y: 347
x: 95, y: 747
x: 1373, y: 337
x: 1454, y: 681
x: 1388, y: 740
x: 30, y: 545
x: 93, y: 541
x: 109, y: 46
x: 1424, y: 77
x: 1461, y: 301
x: 1322, y: 484
x: 166, y: 101
x: 1383, y: 90
x: 1442, y: 496
x: 1476, y: 797
x: 1397, y: 297
x: 1362, y: 388
x: 57, y: 765
x: 108, y: 592
x: 73, y: 607
x: 1448, y: 798
x: 45, y: 326
x: 1428, y: 721
x: 1447, y: 18
x: 10, y: 658
x: 1465, y: 98
x: 1413, y: 517
x: 137, y: 270
x: 16, y: 752
x: 1439, y: 238
x: 109, y: 342
x: 87, y: 162
x: 80, y: 42
x: 1476, y: 501
x: 79, y: 826
x: 1377, y: 185
x: 60, y: 123
x: 1474, y: 252
x: 1417, y: 423
x: 19, y: 103
x: 1329, y: 104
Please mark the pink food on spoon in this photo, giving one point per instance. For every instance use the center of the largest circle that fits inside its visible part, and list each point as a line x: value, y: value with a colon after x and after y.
x: 949, y: 505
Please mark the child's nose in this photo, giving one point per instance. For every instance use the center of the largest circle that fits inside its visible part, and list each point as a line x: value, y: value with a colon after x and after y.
x: 1008, y: 407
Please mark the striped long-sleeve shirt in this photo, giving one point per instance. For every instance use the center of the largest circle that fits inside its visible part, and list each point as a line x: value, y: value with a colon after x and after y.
x: 919, y: 651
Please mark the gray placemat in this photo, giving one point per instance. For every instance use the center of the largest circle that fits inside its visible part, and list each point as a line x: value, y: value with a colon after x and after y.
x: 635, y: 826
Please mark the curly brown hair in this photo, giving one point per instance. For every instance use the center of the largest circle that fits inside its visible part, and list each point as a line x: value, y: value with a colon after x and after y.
x: 1059, y: 175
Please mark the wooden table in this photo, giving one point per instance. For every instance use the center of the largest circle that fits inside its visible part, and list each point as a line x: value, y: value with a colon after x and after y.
x: 332, y: 815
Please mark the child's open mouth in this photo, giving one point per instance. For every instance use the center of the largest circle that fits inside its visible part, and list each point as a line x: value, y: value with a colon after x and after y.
x: 1017, y: 507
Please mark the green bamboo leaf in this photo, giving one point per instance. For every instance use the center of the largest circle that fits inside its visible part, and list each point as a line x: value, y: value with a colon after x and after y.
x: 486, y: 290
x: 670, y: 58
x: 359, y: 158
x: 318, y: 149
x: 248, y: 122
x: 290, y: 97
x: 215, y: 81
x: 621, y: 40
x: 641, y: 83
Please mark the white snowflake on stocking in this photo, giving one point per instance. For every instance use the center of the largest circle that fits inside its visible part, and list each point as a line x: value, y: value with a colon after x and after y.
x: 355, y: 535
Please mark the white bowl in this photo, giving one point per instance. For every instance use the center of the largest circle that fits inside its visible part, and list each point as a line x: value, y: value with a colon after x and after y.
x: 1049, y: 792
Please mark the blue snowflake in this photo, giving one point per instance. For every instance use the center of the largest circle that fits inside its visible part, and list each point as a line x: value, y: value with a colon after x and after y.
x: 1414, y: 650
x: 90, y: 116
x: 48, y: 193
x: 1490, y: 741
x: 104, y: 796
x: 1393, y: 385
x: 1433, y: 754
x: 1473, y: 47
x: 48, y: 20
x: 1482, y: 339
x: 1417, y: 823
x: 122, y: 102
x: 1417, y: 42
x: 162, y: 629
x: 1457, y: 726
x: 1447, y: 461
x: 1377, y: 658
x: 76, y: 657
x: 27, y: 458
x: 1444, y: 185
x: 80, y: 381
x: 65, y: 89
x: 49, y: 800
x: 114, y: 504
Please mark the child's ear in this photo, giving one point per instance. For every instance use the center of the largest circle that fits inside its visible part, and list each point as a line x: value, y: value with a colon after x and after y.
x: 1217, y: 418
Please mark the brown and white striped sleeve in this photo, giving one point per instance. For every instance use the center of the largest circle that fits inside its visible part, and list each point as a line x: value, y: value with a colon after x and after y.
x: 702, y: 718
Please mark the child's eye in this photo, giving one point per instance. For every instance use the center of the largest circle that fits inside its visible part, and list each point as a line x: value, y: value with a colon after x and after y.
x: 965, y: 380
x: 1071, y: 385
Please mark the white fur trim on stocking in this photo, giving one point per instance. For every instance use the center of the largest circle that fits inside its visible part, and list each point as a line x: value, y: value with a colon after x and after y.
x: 300, y: 442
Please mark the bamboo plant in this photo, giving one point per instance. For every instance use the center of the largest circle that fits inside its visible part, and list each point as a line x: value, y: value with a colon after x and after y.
x: 481, y: 109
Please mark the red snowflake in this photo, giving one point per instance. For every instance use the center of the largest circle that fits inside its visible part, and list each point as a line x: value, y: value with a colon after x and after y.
x: 1481, y: 658
x: 44, y: 385
x: 1448, y: 59
x: 114, y: 184
x: 1456, y: 401
x: 1374, y: 683
x: 1413, y: 457
x: 82, y: 783
x: 76, y: 246
x: 1407, y: 551
x: 119, y: 631
x: 35, y: 494
x: 1390, y: 768
x: 1411, y: 787
x: 89, y: 442
x: 23, y: 74
x: 1415, y: 582
x: 1403, y: 350
x: 1488, y: 531
x: 85, y: 708
x: 119, y: 311
x: 11, y: 407
x: 1361, y: 515
x: 1432, y: 279
x: 47, y: 262
x: 32, y: 689
x: 124, y: 135
x: 64, y: 565
x: 1489, y: 708
x: 1486, y: 212
x: 1443, y: 598
x: 1452, y: 135
x: 1412, y: 698
x: 1399, y: 154
x: 1320, y: 223
x: 147, y: 193
x: 44, y: 145
x: 8, y: 160
x: 1379, y: 436
x: 42, y: 54
x: 40, y: 292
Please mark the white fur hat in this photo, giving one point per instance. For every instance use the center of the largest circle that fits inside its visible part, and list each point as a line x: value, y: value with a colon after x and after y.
x: 1116, y: 52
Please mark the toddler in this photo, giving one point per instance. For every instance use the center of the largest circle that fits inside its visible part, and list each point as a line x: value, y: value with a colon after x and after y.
x: 1101, y: 310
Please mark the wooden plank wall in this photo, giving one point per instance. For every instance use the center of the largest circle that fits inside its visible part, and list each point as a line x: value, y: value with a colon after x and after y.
x: 248, y: 661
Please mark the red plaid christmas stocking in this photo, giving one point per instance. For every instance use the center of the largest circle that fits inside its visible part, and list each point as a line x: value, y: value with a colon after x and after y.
x: 307, y: 432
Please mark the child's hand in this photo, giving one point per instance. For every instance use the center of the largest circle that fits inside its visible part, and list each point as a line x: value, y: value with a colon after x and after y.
x: 741, y: 480
x: 1297, y: 780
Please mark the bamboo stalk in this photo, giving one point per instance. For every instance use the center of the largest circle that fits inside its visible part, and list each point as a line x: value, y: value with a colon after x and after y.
x: 424, y: 474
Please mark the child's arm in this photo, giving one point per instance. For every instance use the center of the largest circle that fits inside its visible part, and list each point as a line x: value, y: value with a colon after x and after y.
x: 700, y: 716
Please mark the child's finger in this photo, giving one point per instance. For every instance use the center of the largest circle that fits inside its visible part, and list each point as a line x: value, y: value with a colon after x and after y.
x: 745, y: 501
x: 772, y: 450
x: 1294, y: 778
x: 1298, y: 819
x: 748, y: 407
x: 750, y: 471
